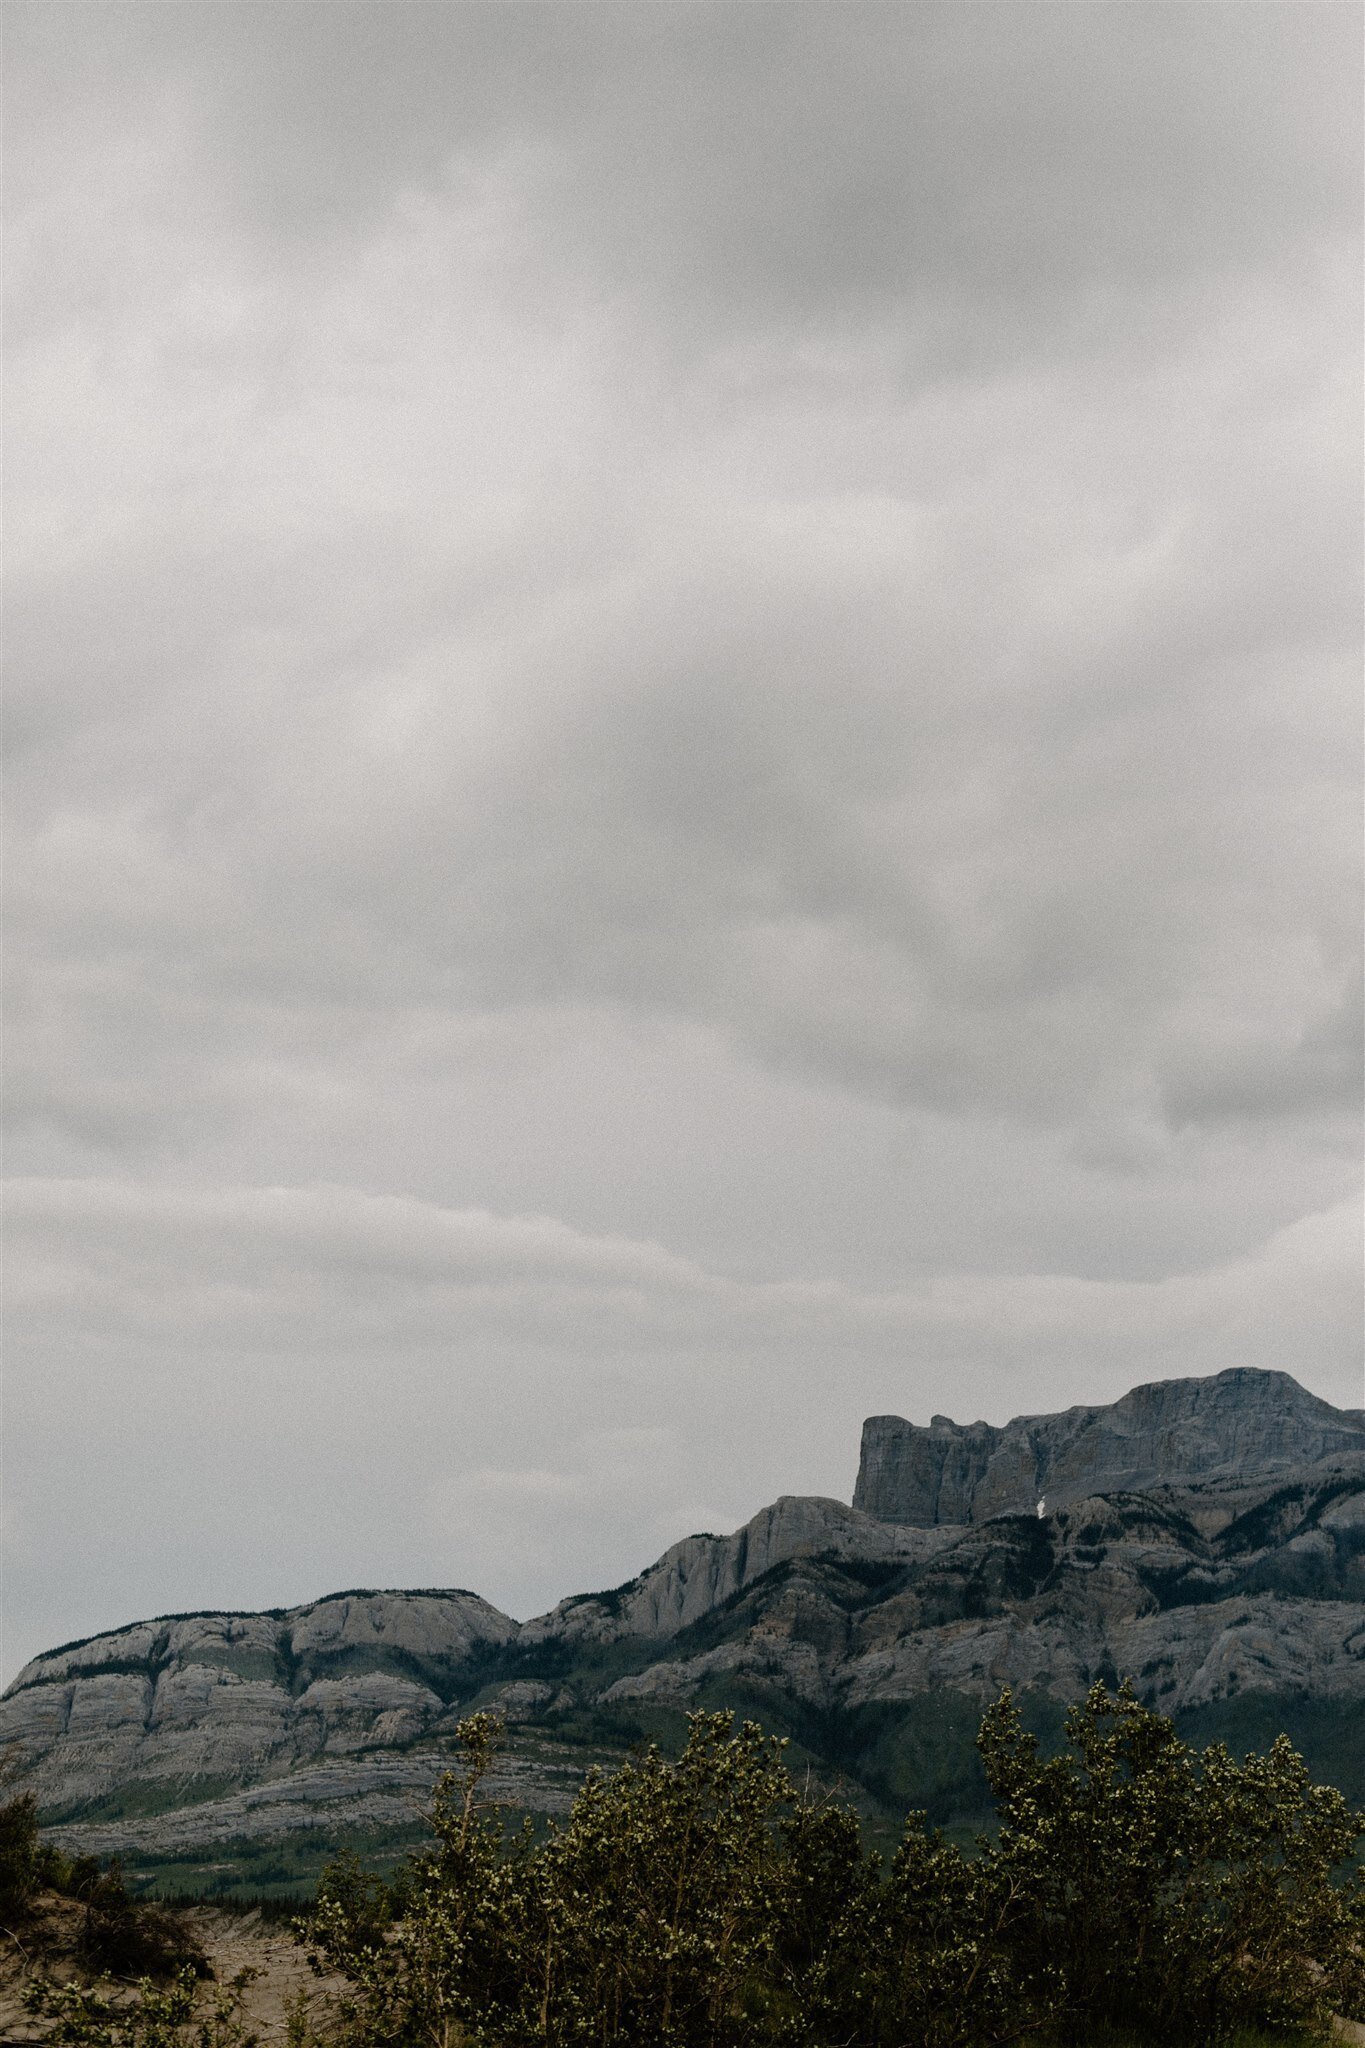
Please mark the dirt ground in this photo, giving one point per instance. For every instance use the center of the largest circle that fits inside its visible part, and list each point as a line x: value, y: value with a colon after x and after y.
x: 234, y: 1942
x: 45, y: 1945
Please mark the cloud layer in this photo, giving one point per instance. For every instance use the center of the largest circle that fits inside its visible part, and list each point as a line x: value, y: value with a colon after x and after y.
x: 683, y: 715
x: 467, y: 1374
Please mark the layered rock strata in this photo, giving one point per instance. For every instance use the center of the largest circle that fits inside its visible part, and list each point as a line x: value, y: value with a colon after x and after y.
x: 1234, y: 1574
x: 231, y: 1699
x: 1237, y: 1424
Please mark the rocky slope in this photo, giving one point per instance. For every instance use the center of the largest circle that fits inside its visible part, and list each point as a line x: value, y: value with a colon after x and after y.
x: 234, y: 1698
x: 1206, y: 1538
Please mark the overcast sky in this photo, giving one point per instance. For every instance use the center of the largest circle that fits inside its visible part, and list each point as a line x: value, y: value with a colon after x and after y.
x: 685, y: 761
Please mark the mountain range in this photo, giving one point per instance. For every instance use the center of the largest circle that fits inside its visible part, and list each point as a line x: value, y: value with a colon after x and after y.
x: 1203, y: 1537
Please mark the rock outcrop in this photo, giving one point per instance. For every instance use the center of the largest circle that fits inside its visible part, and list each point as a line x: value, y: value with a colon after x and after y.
x: 1116, y: 1584
x: 1239, y: 1423
x: 1204, y: 1538
x: 230, y: 1699
x: 702, y: 1573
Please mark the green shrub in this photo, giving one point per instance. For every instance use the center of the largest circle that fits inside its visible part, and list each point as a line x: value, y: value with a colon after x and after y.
x: 358, y: 1906
x: 1183, y: 1894
x: 124, y: 1938
x: 20, y: 1856
x: 696, y: 1903
x: 703, y: 1903
x: 922, y: 1960
x: 176, y: 2015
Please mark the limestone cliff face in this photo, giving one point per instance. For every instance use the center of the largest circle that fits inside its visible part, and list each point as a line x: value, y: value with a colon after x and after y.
x: 1205, y: 1538
x: 1239, y: 1422
x: 703, y: 1572
x: 1120, y: 1584
x: 230, y: 1698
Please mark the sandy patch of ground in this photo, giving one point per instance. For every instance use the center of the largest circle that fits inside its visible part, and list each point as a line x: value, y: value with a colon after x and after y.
x: 45, y: 1947
x: 234, y: 1942
x: 41, y: 1947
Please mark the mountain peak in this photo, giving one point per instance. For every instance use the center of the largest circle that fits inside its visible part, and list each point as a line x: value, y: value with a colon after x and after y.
x: 1165, y: 1433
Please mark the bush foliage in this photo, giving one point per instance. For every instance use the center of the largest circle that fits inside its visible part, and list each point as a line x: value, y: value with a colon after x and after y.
x: 118, y: 1936
x: 1133, y: 1887
x: 704, y: 1903
x: 21, y: 1857
x: 174, y: 2015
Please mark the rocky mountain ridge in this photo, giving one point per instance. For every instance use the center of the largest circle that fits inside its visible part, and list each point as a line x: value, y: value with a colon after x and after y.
x: 1235, y: 1423
x: 1215, y: 1588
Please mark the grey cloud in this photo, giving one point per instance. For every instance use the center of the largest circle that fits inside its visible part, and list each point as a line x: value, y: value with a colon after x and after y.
x: 535, y: 1408
x: 804, y: 768
x: 1042, y: 168
x: 1317, y: 1072
x: 121, y: 1255
x: 735, y: 632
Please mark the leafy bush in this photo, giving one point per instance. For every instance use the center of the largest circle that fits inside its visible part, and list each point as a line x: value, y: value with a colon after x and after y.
x: 922, y: 1960
x: 703, y: 1903
x: 20, y: 1856
x: 357, y: 1906
x: 118, y: 1934
x: 700, y: 1902
x: 125, y: 1938
x: 177, y: 2015
x: 1178, y: 1892
x: 650, y: 1916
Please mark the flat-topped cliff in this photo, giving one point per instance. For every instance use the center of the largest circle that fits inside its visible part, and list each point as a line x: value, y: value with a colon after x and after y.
x: 1238, y: 1423
x: 227, y: 1698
